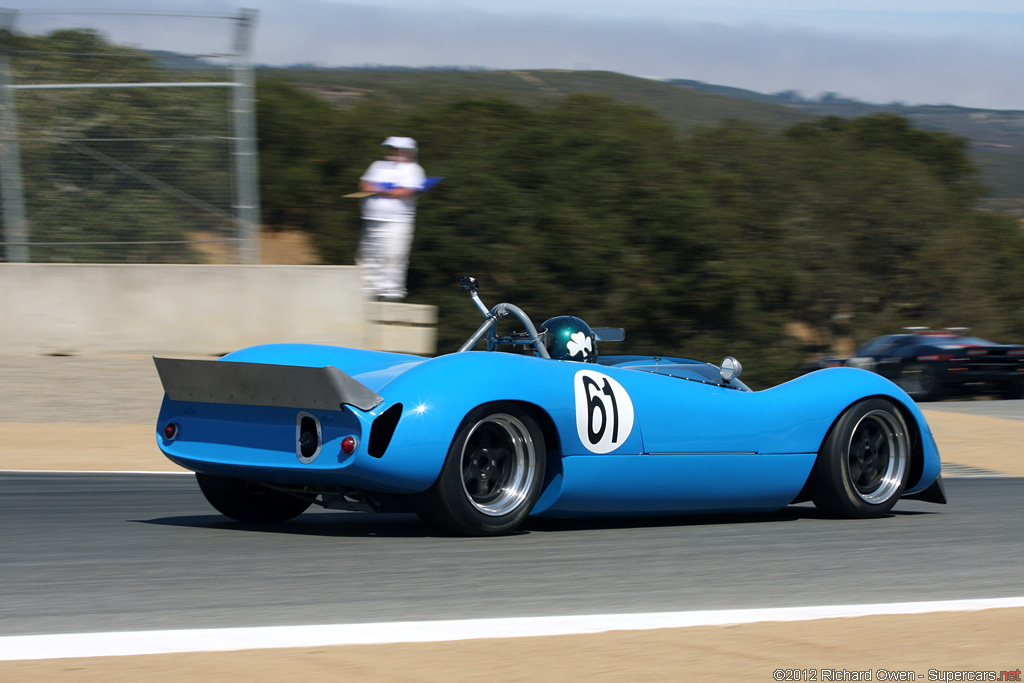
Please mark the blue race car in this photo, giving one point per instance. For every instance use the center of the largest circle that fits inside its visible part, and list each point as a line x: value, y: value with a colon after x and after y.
x: 477, y: 441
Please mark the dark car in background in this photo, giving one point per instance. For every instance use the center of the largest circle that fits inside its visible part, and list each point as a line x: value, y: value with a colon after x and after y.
x: 931, y: 364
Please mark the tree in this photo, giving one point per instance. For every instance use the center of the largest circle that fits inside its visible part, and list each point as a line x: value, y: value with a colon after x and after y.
x: 699, y: 246
x: 88, y: 151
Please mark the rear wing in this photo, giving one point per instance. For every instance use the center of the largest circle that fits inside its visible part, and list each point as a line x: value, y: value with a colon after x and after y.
x: 261, y: 384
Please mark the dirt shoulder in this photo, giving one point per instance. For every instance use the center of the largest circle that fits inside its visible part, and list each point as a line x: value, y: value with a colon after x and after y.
x: 99, y: 413
x: 830, y: 649
x: 983, y: 442
x: 971, y: 441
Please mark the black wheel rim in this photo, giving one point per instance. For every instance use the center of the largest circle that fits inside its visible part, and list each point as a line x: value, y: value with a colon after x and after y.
x: 498, y: 459
x: 877, y: 456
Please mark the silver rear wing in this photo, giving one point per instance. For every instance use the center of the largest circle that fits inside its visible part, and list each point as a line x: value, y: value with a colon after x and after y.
x: 261, y: 384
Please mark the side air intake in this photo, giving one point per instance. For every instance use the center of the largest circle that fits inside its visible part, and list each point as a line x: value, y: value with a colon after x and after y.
x: 383, y: 429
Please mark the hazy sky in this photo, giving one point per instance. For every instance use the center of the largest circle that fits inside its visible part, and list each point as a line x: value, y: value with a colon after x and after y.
x: 963, y: 52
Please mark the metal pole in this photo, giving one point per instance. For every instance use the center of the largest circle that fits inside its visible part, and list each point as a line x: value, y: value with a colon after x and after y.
x: 11, y: 187
x: 247, y: 197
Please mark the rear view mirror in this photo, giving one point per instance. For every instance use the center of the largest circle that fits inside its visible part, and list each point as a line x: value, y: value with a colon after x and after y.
x: 731, y: 368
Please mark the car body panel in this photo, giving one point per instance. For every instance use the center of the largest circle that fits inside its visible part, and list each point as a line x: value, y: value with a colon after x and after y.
x: 637, y: 436
x: 684, y: 483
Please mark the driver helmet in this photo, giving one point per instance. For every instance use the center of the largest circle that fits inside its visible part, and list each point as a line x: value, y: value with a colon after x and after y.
x: 569, y: 338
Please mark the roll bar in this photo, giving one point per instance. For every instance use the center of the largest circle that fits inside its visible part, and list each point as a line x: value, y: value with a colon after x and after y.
x: 489, y: 328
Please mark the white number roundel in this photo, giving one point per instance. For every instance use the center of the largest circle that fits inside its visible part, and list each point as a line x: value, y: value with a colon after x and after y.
x: 604, y: 412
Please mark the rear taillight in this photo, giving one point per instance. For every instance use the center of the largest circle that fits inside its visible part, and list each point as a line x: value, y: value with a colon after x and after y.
x: 170, y: 431
x: 348, y: 445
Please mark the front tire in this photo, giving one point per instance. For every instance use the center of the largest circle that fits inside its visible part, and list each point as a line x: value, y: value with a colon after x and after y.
x: 492, y: 476
x: 863, y: 465
x: 247, y: 501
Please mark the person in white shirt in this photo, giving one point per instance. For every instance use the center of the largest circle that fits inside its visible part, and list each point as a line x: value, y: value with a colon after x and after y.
x: 389, y: 216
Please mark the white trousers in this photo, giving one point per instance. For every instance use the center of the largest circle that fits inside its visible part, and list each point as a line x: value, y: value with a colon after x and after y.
x: 384, y: 256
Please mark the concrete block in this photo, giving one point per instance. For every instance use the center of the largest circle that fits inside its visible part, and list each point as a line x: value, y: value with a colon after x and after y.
x: 195, y: 309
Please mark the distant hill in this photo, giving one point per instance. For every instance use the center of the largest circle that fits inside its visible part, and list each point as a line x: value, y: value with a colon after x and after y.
x: 997, y: 137
x: 687, y: 108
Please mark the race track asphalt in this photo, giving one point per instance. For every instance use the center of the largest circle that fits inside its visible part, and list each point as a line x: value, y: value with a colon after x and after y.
x: 106, y: 552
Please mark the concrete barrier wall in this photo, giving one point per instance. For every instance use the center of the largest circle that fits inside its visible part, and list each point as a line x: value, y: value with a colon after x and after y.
x: 197, y: 309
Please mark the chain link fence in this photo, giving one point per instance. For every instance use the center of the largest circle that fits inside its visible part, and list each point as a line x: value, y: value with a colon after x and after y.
x: 127, y: 137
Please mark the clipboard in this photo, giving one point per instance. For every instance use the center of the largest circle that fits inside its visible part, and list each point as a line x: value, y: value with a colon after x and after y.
x: 430, y: 182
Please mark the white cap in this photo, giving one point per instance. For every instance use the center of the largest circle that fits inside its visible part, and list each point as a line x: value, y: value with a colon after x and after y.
x: 400, y: 143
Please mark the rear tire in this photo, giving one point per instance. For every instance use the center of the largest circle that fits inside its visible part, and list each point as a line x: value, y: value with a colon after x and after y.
x: 492, y: 476
x: 247, y: 501
x: 863, y: 465
x: 1012, y: 391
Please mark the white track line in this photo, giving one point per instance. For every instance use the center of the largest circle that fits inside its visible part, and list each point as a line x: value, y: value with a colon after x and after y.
x: 271, y: 637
